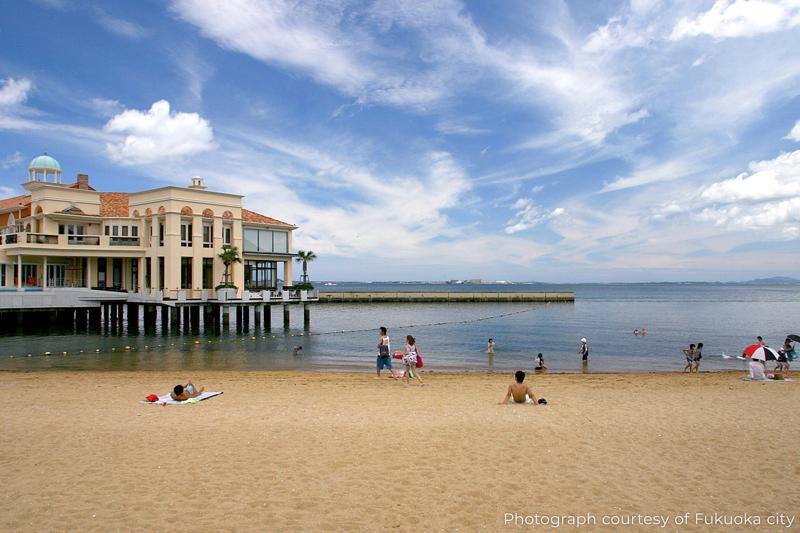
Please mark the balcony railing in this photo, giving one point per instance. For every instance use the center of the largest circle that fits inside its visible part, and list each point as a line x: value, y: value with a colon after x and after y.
x: 123, y: 241
x: 41, y: 238
x: 83, y: 240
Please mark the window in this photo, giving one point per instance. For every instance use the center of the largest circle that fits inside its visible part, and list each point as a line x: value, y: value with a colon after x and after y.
x: 61, y: 229
x: 114, y: 231
x: 251, y: 240
x: 259, y: 275
x: 160, y: 273
x: 226, y: 235
x: 101, y: 272
x: 208, y: 273
x: 186, y: 272
x: 161, y: 235
x: 134, y: 275
x: 186, y: 234
x: 134, y: 231
x: 2, y: 274
x: 266, y: 241
x: 208, y: 235
x: 148, y: 272
x: 124, y: 231
x: 280, y: 242
x: 108, y: 230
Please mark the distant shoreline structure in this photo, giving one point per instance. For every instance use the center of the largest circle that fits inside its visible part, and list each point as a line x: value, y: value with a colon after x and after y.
x: 777, y: 280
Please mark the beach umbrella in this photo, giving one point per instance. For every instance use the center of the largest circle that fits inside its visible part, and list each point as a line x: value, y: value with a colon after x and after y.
x: 760, y: 353
x: 795, y: 338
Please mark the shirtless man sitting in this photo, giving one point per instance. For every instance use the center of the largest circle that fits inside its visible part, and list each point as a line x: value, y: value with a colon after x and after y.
x: 181, y: 393
x: 519, y: 392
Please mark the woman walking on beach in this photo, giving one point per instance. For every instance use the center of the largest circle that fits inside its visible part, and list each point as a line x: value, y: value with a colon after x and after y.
x: 410, y: 358
x: 698, y: 354
x: 690, y: 353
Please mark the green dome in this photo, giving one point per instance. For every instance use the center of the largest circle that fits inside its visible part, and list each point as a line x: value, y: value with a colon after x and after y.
x: 44, y: 161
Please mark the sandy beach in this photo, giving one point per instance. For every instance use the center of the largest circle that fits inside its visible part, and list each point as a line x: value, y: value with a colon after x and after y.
x: 333, y: 451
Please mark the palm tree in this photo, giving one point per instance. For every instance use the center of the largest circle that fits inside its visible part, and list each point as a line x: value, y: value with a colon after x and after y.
x: 305, y: 258
x: 229, y: 255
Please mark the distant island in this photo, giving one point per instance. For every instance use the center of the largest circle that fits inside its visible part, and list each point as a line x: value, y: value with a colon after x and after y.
x: 776, y: 280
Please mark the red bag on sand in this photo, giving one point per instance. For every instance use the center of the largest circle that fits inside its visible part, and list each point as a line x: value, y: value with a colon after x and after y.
x: 152, y: 398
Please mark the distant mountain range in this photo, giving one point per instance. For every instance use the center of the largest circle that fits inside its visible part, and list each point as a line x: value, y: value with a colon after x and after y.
x: 777, y: 280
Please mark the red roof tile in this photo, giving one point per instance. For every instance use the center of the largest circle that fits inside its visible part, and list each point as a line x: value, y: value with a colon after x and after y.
x: 24, y: 199
x: 252, y: 216
x: 114, y: 204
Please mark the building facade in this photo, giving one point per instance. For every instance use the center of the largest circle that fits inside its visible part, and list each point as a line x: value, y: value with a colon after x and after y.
x: 166, y: 239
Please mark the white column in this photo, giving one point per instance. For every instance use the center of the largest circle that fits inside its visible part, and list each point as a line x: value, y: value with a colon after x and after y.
x: 88, y: 272
x: 44, y: 277
x: 19, y: 272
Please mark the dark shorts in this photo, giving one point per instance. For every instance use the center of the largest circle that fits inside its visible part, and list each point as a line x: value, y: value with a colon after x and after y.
x: 384, y: 361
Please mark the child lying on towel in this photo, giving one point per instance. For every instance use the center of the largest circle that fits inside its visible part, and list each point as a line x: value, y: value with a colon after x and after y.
x: 181, y: 393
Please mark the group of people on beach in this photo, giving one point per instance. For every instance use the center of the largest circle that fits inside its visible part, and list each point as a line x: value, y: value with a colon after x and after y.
x: 786, y: 354
x: 410, y: 356
x: 693, y: 356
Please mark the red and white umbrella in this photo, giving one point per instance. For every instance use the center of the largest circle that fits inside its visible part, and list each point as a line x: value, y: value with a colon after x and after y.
x: 760, y: 353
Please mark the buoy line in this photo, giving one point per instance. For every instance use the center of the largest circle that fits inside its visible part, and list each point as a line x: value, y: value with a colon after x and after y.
x: 194, y: 342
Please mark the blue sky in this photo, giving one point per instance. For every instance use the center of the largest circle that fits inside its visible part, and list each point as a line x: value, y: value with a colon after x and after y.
x: 554, y: 141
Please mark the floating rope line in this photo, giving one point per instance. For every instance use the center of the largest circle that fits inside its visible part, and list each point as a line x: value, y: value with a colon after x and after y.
x: 194, y: 342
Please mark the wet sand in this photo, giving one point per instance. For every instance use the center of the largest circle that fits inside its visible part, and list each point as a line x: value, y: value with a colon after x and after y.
x: 339, y: 451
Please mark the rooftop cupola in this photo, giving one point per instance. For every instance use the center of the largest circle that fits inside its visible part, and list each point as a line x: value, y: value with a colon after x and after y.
x: 197, y: 183
x: 44, y: 168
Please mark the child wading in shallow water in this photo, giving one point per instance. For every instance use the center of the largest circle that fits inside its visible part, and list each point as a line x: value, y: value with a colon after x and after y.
x: 490, y: 347
x: 410, y: 358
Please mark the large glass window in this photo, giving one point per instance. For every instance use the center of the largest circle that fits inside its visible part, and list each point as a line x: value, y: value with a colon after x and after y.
x: 266, y: 241
x: 160, y: 273
x: 251, y: 240
x: 148, y: 272
x: 280, y: 242
x: 2, y: 274
x: 101, y: 272
x: 259, y: 275
x: 186, y: 272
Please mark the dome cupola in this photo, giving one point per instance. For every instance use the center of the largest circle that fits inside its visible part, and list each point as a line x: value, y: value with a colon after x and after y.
x: 44, y: 168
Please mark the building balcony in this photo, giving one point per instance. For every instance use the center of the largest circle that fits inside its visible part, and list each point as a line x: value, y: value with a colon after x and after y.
x: 66, y: 242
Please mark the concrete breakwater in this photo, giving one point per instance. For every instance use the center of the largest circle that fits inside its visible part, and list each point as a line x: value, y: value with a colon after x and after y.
x: 395, y: 297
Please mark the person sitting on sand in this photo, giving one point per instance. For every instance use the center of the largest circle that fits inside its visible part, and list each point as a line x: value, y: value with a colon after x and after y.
x: 181, y: 393
x: 757, y: 370
x: 518, y: 392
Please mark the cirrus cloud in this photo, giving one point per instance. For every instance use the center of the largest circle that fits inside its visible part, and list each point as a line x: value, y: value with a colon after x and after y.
x: 14, y: 92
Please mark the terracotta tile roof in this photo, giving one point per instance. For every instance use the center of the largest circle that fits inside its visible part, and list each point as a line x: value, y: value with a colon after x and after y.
x: 24, y: 199
x: 252, y: 216
x: 114, y: 204
x: 76, y: 185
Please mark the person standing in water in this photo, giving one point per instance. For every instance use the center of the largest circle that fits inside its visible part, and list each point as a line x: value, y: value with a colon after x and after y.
x: 584, y: 351
x: 490, y: 347
x: 384, y: 359
x: 690, y: 355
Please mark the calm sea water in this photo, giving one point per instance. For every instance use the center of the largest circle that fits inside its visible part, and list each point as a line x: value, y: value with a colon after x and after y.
x: 453, y: 337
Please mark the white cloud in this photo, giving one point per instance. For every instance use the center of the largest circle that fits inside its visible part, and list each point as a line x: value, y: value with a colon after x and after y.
x: 12, y: 160
x: 105, y: 107
x: 795, y: 133
x: 768, y: 180
x: 739, y: 18
x: 529, y: 215
x: 156, y: 134
x: 14, y: 92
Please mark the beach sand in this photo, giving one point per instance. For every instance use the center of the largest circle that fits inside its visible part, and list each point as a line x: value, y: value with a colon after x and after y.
x: 334, y: 451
